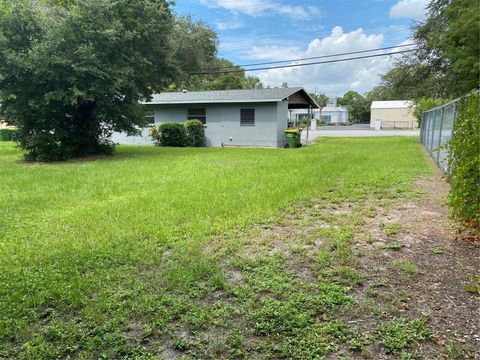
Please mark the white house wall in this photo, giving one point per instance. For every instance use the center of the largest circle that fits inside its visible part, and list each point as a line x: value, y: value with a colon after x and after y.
x: 282, y: 122
x: 223, y: 124
x: 143, y: 139
x: 401, y: 117
x: 336, y: 116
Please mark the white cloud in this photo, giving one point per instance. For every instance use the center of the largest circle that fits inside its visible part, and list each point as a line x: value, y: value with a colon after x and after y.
x: 412, y: 9
x: 257, y: 8
x: 258, y: 47
x: 230, y: 25
x: 335, y: 78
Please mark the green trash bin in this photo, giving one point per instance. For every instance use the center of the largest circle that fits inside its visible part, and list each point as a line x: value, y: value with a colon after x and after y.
x: 293, y: 138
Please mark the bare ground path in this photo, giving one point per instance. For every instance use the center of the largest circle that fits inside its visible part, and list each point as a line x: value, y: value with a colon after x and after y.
x: 402, y: 268
x: 443, y: 281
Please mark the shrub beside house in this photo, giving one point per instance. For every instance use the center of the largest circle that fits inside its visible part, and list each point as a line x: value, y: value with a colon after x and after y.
x: 190, y: 133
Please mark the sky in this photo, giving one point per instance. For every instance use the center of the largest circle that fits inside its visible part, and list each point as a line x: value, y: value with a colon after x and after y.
x: 252, y: 31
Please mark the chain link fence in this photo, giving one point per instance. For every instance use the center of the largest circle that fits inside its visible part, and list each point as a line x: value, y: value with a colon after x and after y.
x: 437, y: 129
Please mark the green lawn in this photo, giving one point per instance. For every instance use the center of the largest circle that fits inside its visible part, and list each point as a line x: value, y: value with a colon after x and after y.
x: 125, y: 257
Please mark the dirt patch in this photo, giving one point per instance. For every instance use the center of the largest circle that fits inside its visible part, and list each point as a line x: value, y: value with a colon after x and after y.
x: 394, y: 256
x: 427, y: 272
x: 405, y: 252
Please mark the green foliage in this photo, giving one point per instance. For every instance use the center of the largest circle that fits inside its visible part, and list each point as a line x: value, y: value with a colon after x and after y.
x: 169, y: 134
x: 392, y: 229
x: 191, y: 133
x: 464, y: 167
x: 8, y: 134
x: 225, y: 81
x: 425, y: 104
x: 396, y: 245
x: 358, y: 106
x: 75, y: 71
x: 408, y: 268
x: 321, y: 99
x: 252, y: 82
x: 195, y: 132
x: 446, y: 64
x: 314, y: 342
x: 399, y: 334
x: 407, y: 80
x: 195, y: 46
x: 473, y: 285
x: 449, y: 42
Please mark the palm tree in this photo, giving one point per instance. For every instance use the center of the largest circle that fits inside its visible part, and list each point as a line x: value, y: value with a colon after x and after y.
x: 252, y: 82
x: 322, y: 101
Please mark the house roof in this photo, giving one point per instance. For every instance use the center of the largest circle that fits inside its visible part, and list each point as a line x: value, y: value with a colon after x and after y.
x: 395, y: 104
x: 228, y: 96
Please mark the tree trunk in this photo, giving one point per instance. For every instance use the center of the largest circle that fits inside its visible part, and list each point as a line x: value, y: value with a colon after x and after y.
x: 86, y: 136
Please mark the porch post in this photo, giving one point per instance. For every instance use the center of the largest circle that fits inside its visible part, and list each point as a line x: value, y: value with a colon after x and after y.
x: 308, y: 122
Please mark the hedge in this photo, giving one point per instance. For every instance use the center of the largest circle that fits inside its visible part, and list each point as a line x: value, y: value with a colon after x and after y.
x: 195, y: 133
x: 464, y: 168
x: 192, y: 133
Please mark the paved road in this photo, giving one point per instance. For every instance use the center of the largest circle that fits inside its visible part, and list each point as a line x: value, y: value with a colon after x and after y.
x: 360, y: 130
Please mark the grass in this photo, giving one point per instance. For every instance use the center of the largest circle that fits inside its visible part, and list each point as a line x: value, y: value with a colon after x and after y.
x: 115, y: 257
x: 399, y: 334
x: 392, y: 229
x: 408, y: 268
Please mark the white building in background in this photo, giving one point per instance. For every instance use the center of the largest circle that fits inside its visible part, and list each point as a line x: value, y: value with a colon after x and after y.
x: 331, y: 114
x: 334, y: 113
x: 397, y: 114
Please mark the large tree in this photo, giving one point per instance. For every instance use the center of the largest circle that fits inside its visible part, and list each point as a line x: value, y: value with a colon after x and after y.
x: 321, y: 100
x: 222, y: 74
x: 74, y: 71
x: 447, y: 62
x: 252, y: 82
x: 195, y: 48
x: 358, y: 106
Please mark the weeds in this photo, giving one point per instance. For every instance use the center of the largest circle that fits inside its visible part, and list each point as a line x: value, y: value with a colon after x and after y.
x: 406, y: 267
x: 392, y: 229
x: 399, y: 334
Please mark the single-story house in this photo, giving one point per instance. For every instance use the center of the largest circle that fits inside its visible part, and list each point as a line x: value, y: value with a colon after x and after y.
x: 231, y: 117
x: 331, y: 114
x: 397, y: 114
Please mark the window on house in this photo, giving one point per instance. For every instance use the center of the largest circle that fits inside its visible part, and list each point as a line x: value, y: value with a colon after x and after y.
x: 150, y: 117
x: 198, y: 114
x: 247, y: 117
x: 326, y: 118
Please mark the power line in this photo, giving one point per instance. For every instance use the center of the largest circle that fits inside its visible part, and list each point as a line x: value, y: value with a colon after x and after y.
x: 311, y: 58
x: 298, y: 65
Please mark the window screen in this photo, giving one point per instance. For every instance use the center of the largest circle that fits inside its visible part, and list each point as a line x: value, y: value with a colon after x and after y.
x: 150, y: 117
x: 247, y: 116
x: 199, y: 114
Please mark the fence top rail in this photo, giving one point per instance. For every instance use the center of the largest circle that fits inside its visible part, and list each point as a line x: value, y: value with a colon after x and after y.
x: 454, y: 101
